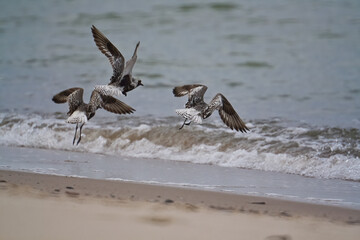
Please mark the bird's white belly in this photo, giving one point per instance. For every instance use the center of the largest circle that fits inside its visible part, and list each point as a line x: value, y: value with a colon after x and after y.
x: 77, y: 117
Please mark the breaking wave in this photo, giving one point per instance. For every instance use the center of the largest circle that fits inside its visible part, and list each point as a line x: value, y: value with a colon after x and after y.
x: 271, y: 145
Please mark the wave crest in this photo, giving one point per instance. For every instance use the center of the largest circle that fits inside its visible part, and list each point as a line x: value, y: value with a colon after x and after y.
x: 270, y: 146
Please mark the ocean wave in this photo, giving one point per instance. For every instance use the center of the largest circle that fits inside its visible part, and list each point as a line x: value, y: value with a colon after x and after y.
x: 270, y: 145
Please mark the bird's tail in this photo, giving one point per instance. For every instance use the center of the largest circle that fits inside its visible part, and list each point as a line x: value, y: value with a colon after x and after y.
x: 191, y: 114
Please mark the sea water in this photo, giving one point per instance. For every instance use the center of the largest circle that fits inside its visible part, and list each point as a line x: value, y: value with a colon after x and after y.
x: 182, y: 174
x: 291, y: 69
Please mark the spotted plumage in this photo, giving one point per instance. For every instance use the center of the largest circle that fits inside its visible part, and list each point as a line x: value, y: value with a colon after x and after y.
x: 80, y: 112
x: 196, y: 109
x: 122, y: 80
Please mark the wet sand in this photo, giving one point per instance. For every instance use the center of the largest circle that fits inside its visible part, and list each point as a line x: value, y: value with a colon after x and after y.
x: 36, y: 206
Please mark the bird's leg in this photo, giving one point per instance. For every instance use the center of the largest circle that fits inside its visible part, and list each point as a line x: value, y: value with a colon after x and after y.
x: 75, y: 133
x: 80, y: 134
x: 185, y: 123
x: 182, y: 124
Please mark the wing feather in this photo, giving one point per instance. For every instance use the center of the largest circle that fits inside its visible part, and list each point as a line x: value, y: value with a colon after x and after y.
x: 130, y: 64
x: 109, y: 103
x: 189, y: 89
x: 74, y: 97
x: 114, y: 105
x: 229, y: 116
x: 115, y: 57
x: 195, y: 93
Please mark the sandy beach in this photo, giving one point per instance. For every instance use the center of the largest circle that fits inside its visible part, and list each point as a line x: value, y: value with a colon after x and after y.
x: 37, y: 206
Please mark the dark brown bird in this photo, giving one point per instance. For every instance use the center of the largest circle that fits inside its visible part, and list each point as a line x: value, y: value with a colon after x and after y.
x: 122, y: 80
x: 196, y: 109
x: 80, y: 112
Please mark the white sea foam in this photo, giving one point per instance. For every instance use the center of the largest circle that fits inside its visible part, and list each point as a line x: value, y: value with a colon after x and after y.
x: 321, y: 153
x: 170, y: 183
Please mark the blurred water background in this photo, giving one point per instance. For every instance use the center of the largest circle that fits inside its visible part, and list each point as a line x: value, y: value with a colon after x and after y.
x: 291, y: 69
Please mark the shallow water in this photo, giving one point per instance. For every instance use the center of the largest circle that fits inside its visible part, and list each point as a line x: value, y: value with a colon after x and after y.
x: 179, y: 174
x: 291, y: 69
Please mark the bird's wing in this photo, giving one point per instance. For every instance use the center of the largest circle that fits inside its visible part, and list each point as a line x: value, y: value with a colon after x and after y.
x: 193, y: 91
x: 74, y: 97
x: 130, y: 64
x: 109, y: 103
x: 227, y: 113
x: 115, y: 57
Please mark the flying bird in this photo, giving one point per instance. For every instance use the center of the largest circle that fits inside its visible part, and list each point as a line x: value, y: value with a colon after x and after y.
x: 80, y: 112
x: 196, y: 109
x: 122, y: 80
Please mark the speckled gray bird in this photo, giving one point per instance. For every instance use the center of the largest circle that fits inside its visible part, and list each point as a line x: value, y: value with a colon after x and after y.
x: 196, y: 109
x: 122, y: 80
x: 80, y: 112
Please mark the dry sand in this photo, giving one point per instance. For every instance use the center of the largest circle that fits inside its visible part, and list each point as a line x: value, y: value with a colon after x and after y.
x: 35, y: 206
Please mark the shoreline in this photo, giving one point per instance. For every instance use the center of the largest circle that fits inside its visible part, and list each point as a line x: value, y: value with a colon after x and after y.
x: 290, y: 187
x: 37, y: 206
x: 122, y: 190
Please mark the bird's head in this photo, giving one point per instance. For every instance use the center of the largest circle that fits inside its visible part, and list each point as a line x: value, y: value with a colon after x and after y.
x: 90, y: 112
x: 139, y: 83
x: 91, y: 115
